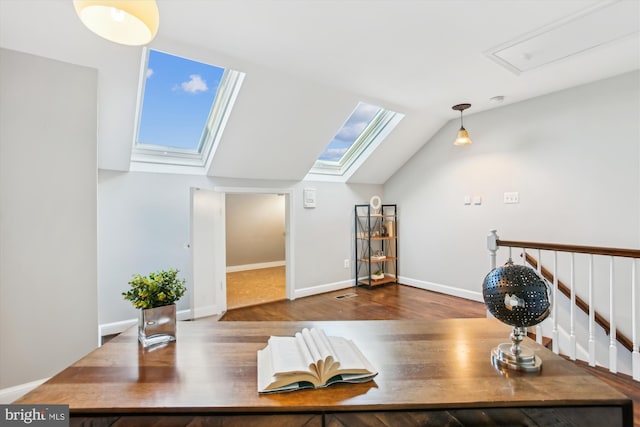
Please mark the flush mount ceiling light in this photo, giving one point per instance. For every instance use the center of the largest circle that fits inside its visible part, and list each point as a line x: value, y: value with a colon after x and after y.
x: 132, y: 22
x: 463, y: 135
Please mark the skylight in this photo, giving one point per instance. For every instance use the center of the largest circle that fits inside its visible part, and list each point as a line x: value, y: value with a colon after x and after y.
x: 363, y: 131
x: 183, y: 107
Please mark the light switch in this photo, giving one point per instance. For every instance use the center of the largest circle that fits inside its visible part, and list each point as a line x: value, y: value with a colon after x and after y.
x: 477, y: 200
x: 309, y: 198
x: 511, y: 197
x: 467, y: 200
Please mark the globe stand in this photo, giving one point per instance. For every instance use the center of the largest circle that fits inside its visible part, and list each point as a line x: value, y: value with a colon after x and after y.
x: 514, y: 356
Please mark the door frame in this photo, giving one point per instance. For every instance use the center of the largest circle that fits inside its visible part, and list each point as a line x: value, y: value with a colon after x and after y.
x: 289, y: 195
x: 289, y: 252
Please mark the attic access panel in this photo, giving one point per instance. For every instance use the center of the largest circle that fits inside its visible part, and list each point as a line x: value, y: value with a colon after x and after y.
x: 365, y: 128
x: 182, y: 108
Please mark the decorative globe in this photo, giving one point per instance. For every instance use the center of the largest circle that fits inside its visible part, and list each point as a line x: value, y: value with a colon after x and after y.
x: 517, y: 295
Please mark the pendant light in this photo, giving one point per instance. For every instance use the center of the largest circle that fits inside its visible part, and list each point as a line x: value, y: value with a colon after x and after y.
x: 129, y: 22
x: 463, y: 136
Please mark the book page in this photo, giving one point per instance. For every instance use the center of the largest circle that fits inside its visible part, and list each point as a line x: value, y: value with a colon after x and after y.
x: 265, y: 369
x: 285, y: 356
x: 268, y: 382
x: 304, y: 349
x: 311, y: 344
x: 329, y: 360
x: 322, y: 342
x: 320, y: 349
x: 350, y: 357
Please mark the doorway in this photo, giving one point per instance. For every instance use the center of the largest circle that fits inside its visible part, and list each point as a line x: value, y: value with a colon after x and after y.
x: 255, y: 248
x: 208, y: 294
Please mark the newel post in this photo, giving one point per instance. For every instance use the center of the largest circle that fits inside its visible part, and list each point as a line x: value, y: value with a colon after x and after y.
x: 492, y: 246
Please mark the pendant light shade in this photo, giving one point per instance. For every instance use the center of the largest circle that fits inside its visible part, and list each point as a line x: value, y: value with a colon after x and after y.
x: 463, y: 136
x: 129, y: 22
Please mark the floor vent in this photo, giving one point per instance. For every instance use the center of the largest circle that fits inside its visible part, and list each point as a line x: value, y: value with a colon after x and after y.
x: 349, y: 295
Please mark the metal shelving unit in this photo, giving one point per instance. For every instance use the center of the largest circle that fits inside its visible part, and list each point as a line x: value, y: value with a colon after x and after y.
x: 376, y: 243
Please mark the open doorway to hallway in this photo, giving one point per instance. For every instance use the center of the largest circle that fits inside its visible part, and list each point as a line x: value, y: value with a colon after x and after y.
x: 255, y: 248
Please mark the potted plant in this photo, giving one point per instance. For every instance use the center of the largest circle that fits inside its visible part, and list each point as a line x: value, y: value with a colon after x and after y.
x: 377, y: 275
x: 155, y: 296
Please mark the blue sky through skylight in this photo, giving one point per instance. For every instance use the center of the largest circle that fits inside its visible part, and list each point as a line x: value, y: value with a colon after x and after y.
x: 350, y: 131
x: 178, y: 96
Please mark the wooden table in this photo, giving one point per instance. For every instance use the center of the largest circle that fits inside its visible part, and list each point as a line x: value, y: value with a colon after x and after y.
x: 430, y: 374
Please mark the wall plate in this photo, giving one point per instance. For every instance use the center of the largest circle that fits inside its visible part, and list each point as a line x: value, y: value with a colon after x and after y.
x: 309, y: 198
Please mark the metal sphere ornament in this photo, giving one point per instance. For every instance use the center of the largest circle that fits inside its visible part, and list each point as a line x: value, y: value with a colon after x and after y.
x: 518, y: 296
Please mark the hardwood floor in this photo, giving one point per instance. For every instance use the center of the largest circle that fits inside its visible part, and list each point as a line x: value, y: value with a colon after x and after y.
x: 397, y: 302
x: 383, y: 303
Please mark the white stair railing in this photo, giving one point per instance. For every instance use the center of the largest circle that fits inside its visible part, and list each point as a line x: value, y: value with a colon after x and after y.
x: 635, y: 355
x: 613, y: 349
x: 616, y: 338
x: 592, y: 315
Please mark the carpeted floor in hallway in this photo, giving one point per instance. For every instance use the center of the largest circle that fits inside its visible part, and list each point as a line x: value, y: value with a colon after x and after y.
x: 251, y: 287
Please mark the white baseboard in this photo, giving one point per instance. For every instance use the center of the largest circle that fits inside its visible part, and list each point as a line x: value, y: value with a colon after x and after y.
x: 122, y: 325
x: 211, y: 310
x: 430, y: 286
x: 10, y: 394
x: 116, y: 327
x: 321, y: 289
x: 183, y: 315
x: 245, y: 267
x: 443, y: 289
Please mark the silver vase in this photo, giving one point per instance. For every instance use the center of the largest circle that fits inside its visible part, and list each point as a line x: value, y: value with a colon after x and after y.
x: 157, y: 325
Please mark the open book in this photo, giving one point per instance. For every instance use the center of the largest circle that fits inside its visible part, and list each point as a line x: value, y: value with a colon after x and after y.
x: 310, y: 359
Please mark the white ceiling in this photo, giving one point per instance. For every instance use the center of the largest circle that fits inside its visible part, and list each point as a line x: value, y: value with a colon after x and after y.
x: 309, y: 62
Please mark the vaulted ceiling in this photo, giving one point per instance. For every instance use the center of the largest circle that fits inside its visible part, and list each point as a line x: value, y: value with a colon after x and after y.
x: 308, y: 63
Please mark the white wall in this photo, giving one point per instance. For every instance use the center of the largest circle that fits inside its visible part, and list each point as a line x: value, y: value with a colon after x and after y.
x: 255, y: 228
x: 574, y: 158
x: 324, y: 235
x: 143, y: 226
x: 48, y: 273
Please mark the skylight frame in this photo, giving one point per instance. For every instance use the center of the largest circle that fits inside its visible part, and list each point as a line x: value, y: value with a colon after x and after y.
x: 373, y: 134
x: 150, y: 156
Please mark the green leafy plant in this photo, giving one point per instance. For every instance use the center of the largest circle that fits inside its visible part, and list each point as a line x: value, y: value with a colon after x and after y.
x: 378, y: 273
x: 155, y: 290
